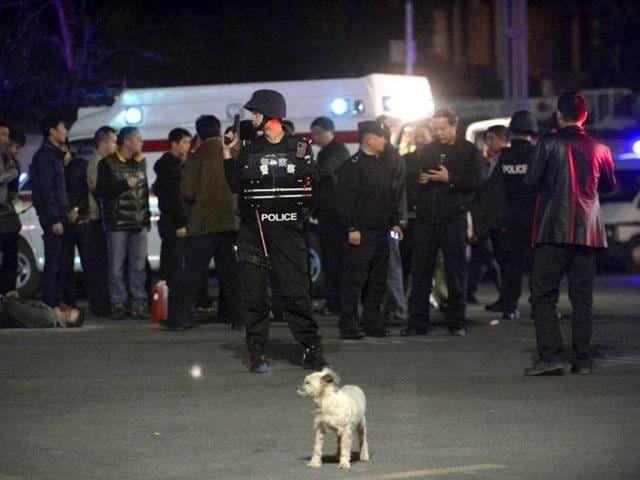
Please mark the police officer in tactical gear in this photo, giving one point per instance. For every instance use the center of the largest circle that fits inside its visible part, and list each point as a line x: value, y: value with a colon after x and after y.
x: 513, y: 164
x: 274, y: 176
x: 368, y: 206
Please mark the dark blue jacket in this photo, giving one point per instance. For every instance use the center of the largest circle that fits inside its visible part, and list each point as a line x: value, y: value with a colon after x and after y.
x: 48, y: 185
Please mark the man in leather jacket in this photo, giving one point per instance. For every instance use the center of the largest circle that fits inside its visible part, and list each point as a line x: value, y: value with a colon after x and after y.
x: 568, y: 171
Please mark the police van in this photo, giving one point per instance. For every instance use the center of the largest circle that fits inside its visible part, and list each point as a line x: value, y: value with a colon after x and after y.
x: 156, y: 111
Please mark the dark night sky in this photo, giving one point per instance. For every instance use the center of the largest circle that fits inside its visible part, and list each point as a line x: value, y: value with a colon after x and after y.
x: 234, y: 41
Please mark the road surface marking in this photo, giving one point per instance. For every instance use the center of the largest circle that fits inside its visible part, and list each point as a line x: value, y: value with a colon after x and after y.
x: 434, y: 472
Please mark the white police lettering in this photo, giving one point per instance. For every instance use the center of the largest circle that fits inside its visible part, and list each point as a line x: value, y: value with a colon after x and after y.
x: 291, y: 168
x: 279, y: 217
x: 515, y: 169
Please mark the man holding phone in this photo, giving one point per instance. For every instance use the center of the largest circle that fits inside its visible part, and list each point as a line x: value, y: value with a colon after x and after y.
x: 368, y: 207
x: 450, y: 172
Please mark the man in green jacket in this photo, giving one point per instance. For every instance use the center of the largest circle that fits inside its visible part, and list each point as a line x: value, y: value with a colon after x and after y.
x: 212, y: 226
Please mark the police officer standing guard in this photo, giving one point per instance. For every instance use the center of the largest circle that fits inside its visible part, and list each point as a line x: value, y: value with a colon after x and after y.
x: 369, y: 208
x: 274, y: 176
x: 512, y: 165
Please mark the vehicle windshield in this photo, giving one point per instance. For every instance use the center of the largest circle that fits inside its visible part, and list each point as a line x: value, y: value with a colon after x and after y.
x: 627, y: 187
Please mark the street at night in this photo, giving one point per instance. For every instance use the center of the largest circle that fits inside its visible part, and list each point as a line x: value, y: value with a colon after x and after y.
x: 122, y: 400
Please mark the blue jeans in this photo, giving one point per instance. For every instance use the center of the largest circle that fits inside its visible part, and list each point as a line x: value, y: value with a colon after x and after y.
x: 132, y: 246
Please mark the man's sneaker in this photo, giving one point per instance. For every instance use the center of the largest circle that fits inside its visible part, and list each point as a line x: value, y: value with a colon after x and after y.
x: 351, y: 334
x: 313, y: 358
x: 119, y: 312
x: 495, y: 307
x: 258, y: 364
x: 514, y: 315
x: 376, y: 332
x: 458, y: 332
x: 544, y: 368
x: 141, y: 313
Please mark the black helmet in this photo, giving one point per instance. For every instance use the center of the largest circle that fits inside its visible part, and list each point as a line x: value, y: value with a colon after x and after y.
x: 523, y: 121
x: 268, y: 102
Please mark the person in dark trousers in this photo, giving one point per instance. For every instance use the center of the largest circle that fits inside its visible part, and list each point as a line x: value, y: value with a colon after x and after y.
x: 332, y: 232
x: 422, y: 136
x: 76, y: 235
x: 97, y: 259
x: 9, y: 219
x: 272, y: 233
x: 513, y: 164
x: 211, y: 228
x: 173, y: 214
x: 50, y: 201
x: 450, y: 175
x: 368, y: 207
x: 568, y: 170
x: 123, y: 190
x: 488, y: 212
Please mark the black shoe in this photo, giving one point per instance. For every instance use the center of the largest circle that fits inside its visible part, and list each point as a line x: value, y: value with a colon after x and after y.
x: 472, y: 299
x: 495, y: 307
x: 235, y: 326
x: 141, y: 313
x: 377, y: 332
x: 458, y: 332
x: 584, y: 370
x: 326, y: 312
x: 258, y: 362
x: 514, y: 315
x: 351, y: 334
x: 412, y: 332
x: 119, y: 312
x: 313, y: 358
x: 544, y: 368
x: 171, y: 326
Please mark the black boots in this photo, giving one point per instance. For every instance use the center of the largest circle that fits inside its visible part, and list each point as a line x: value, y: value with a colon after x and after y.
x: 313, y: 358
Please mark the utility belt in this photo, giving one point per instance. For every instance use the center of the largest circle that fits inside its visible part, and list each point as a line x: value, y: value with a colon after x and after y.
x: 247, y: 253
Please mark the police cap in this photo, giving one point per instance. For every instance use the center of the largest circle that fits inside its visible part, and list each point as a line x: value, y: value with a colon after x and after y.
x: 523, y: 121
x: 268, y: 102
x: 371, y: 126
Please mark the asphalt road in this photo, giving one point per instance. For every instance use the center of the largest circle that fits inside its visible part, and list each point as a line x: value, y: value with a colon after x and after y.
x: 119, y: 400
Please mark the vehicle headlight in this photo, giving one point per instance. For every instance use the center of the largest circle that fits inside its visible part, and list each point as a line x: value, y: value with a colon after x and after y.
x: 339, y: 106
x: 133, y: 116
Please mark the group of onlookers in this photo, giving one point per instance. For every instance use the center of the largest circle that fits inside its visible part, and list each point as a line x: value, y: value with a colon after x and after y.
x: 387, y: 224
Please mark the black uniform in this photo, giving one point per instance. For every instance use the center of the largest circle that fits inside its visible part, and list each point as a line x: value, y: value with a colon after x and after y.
x: 331, y: 231
x: 368, y: 204
x: 282, y: 227
x: 441, y: 225
x: 513, y: 163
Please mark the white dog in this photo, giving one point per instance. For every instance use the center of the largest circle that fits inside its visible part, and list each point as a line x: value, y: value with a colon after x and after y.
x: 338, y: 409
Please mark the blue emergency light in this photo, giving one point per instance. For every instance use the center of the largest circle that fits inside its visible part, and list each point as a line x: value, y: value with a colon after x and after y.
x: 636, y: 147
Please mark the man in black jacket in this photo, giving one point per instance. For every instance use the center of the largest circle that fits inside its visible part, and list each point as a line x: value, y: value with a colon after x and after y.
x: 368, y: 207
x: 76, y: 233
x: 173, y: 214
x: 513, y: 164
x: 568, y: 171
x: 123, y: 189
x: 50, y: 202
x: 331, y: 231
x: 450, y: 173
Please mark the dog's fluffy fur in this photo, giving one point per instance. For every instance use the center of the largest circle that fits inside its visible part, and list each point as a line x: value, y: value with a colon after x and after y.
x: 341, y: 410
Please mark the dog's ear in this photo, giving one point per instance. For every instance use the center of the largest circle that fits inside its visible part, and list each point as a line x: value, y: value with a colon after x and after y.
x: 329, y: 377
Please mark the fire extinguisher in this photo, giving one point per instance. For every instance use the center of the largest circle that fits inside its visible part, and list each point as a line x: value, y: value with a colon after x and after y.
x: 159, y: 301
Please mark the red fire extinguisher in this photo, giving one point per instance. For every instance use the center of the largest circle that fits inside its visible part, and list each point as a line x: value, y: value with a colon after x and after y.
x: 159, y: 301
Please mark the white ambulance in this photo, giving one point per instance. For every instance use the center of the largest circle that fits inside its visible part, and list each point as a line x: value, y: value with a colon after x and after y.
x: 156, y: 111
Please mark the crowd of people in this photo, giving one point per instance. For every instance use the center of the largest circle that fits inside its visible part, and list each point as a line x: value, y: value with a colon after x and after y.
x: 390, y: 226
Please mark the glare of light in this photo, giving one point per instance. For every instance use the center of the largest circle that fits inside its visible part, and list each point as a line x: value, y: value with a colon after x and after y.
x: 358, y: 107
x: 196, y: 371
x: 339, y: 106
x: 408, y: 106
x: 23, y: 176
x: 636, y: 147
x: 133, y: 116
